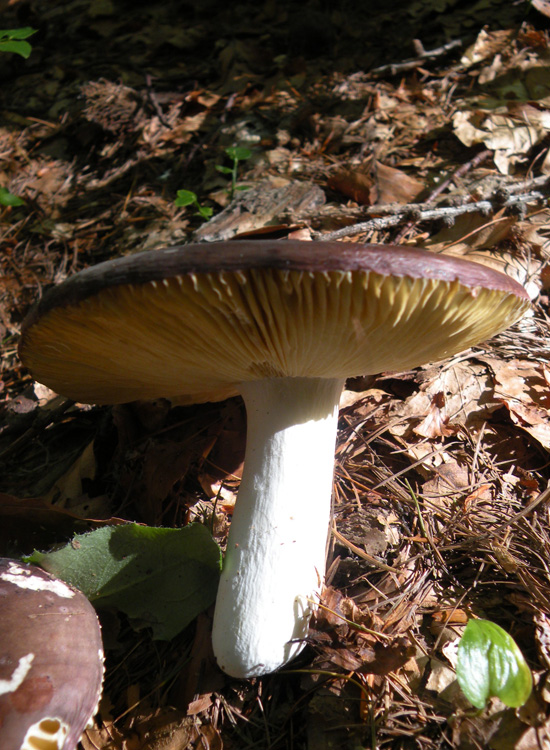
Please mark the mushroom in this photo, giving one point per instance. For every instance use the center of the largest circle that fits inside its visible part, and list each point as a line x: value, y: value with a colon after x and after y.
x: 51, y: 660
x: 283, y: 324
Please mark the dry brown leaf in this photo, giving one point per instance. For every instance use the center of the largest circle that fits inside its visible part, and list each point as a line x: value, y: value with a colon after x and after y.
x: 355, y: 650
x: 481, y: 240
x: 514, y: 734
x: 509, y: 137
x: 164, y: 729
x: 162, y: 466
x: 467, y: 387
x: 357, y: 185
x: 441, y: 677
x: 542, y: 5
x: 524, y: 388
x: 200, y: 704
x: 450, y: 480
x: 436, y: 422
x: 395, y: 186
x: 471, y: 232
x: 381, y: 184
x: 486, y: 46
x: 106, y: 736
x: 69, y: 486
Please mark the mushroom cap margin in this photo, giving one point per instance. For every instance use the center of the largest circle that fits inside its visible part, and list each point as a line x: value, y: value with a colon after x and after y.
x: 196, y: 320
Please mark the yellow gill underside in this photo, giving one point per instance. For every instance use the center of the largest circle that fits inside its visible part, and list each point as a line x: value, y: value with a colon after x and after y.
x: 201, y: 335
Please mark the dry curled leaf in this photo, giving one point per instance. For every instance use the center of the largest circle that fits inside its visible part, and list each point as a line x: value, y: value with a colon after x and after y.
x: 542, y: 5
x: 436, y: 422
x: 524, y: 388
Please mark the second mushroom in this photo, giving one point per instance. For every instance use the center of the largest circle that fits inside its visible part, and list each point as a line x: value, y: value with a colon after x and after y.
x: 283, y: 324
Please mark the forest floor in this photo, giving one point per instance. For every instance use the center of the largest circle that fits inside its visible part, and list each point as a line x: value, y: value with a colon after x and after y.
x: 426, y: 124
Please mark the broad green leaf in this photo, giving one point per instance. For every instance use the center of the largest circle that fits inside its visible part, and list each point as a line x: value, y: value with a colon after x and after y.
x: 205, y: 211
x: 9, y: 199
x: 22, y: 33
x: 161, y: 578
x: 491, y: 664
x: 20, y: 48
x: 185, y: 198
x: 10, y: 41
x: 238, y: 153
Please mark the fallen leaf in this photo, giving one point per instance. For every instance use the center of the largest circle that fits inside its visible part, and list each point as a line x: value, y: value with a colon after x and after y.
x: 436, y: 422
x: 161, y: 578
x: 441, y: 676
x: 395, y: 186
x: 69, y: 486
x: 509, y: 137
x: 470, y: 232
x: 355, y: 184
x: 486, y: 46
x: 542, y: 5
x: 524, y: 388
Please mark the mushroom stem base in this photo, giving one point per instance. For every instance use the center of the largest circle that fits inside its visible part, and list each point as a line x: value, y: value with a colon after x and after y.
x: 275, y: 560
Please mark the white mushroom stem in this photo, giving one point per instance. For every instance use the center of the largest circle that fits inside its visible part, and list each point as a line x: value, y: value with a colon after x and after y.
x: 275, y: 560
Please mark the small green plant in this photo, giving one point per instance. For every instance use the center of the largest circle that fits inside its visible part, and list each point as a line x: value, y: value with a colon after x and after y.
x: 9, y: 199
x: 189, y: 198
x: 236, y: 154
x: 12, y: 40
x: 491, y: 664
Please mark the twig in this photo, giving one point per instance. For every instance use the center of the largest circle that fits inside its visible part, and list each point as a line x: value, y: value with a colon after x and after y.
x: 155, y: 102
x: 420, y: 212
x: 40, y: 423
x: 395, y: 68
x: 458, y: 173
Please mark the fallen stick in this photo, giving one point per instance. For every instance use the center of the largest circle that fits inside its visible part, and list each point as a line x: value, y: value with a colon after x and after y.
x: 425, y: 56
x: 419, y: 212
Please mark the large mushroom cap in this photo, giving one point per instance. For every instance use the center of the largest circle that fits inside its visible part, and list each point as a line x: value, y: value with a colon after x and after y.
x: 51, y: 660
x: 197, y: 320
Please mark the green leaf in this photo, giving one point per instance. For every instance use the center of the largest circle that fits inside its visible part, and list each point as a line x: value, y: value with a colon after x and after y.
x: 8, y: 199
x: 491, y: 664
x: 238, y: 153
x: 10, y: 41
x: 22, y: 33
x: 205, y: 211
x: 161, y: 578
x: 21, y: 48
x: 186, y: 198
x: 224, y: 170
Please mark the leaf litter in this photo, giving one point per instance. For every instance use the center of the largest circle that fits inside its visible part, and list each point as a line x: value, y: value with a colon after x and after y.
x: 441, y: 500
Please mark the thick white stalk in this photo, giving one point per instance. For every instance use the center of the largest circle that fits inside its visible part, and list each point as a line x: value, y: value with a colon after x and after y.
x: 275, y: 560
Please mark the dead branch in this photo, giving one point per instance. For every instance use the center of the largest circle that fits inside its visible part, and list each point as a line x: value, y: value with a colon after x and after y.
x: 444, y: 184
x: 393, y: 69
x: 392, y: 215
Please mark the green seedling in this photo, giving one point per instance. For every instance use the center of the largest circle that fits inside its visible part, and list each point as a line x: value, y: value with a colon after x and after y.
x: 236, y: 154
x: 491, y: 664
x: 189, y: 198
x: 12, y: 40
x: 9, y: 199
